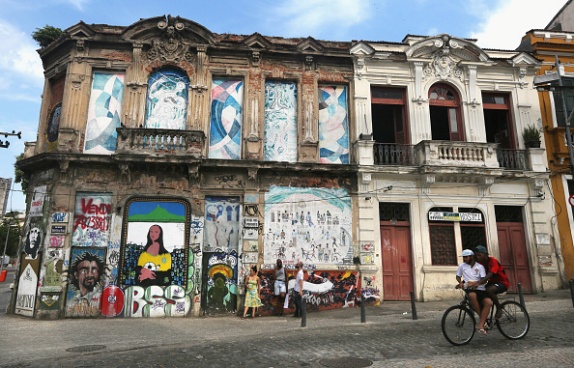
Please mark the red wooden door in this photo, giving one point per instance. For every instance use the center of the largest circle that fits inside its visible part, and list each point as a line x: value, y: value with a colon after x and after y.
x: 397, y: 263
x: 513, y: 255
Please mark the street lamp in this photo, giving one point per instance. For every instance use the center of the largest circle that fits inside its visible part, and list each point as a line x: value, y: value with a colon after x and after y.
x: 6, y: 245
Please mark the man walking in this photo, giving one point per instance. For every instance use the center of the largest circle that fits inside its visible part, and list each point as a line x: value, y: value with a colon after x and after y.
x: 298, y: 289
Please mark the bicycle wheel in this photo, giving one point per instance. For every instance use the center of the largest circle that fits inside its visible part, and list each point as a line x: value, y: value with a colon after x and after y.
x: 458, y: 325
x: 515, y: 322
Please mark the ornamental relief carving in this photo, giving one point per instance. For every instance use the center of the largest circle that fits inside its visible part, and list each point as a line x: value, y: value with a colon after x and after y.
x: 443, y: 66
x: 170, y: 46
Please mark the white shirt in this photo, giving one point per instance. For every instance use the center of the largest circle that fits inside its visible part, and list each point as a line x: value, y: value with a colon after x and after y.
x: 298, y: 280
x: 472, y: 273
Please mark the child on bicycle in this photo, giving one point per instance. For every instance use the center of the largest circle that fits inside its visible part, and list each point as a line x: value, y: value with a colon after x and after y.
x: 471, y: 271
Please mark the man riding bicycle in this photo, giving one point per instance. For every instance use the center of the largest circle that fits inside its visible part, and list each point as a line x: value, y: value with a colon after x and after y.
x: 472, y: 272
x: 495, y: 276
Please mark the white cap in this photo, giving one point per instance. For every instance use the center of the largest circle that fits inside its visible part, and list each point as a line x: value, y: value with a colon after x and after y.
x: 467, y: 252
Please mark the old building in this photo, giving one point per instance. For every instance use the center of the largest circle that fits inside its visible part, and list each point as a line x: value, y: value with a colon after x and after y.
x: 170, y: 159
x: 444, y: 165
x: 555, y: 82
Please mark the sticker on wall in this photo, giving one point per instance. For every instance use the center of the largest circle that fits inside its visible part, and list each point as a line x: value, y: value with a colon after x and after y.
x: 53, y: 260
x: 56, y: 241
x: 50, y: 301
x: 85, y: 281
x: 33, y: 240
x: 37, y: 203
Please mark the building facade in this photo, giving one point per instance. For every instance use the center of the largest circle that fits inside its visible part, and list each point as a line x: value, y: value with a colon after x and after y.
x: 5, y: 188
x: 442, y: 158
x: 555, y: 50
x: 170, y: 159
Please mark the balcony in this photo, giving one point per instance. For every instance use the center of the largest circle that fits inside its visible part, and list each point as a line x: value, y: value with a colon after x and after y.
x: 452, y: 154
x: 160, y: 141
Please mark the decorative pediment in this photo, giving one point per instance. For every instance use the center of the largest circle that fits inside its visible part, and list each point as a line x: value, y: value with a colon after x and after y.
x: 80, y: 30
x: 168, y: 28
x: 444, y: 44
x: 362, y: 49
x: 524, y: 59
x: 257, y: 41
x: 310, y: 45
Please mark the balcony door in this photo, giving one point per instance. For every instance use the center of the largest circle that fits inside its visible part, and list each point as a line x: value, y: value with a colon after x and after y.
x: 446, y: 122
x: 388, y: 111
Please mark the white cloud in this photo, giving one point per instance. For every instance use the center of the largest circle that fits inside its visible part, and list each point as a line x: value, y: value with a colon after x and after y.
x: 505, y: 24
x: 78, y: 4
x: 20, y: 65
x: 310, y: 17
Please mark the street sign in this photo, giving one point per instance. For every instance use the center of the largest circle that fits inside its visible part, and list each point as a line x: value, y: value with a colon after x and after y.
x: 571, y: 200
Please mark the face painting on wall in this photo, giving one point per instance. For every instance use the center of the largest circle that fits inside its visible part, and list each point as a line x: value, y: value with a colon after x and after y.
x: 85, y: 286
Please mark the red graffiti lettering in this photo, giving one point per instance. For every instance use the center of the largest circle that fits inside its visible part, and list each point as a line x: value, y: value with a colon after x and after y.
x: 93, y: 209
x: 92, y: 222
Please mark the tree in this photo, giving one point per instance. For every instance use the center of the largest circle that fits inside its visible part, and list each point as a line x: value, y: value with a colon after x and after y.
x: 9, y: 224
x: 19, y: 175
x: 45, y: 36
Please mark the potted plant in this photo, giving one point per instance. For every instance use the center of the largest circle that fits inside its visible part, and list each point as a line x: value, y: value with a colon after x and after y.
x: 531, y: 136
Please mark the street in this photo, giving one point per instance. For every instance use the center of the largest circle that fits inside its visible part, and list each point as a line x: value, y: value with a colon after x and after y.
x: 389, y: 338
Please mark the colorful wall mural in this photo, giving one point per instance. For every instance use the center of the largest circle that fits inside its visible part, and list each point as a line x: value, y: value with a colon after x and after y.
x: 54, y: 125
x: 280, y: 141
x: 155, y: 245
x: 333, y: 125
x: 219, y: 282
x: 167, y: 98
x: 322, y: 290
x: 85, y: 281
x: 104, y: 113
x: 221, y: 224
x: 92, y: 218
x: 226, y: 119
x: 312, y: 225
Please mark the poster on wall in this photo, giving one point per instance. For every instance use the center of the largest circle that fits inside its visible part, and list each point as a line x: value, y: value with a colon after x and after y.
x: 37, y: 203
x: 92, y: 217
x: 154, y: 253
x: 222, y: 228
x: 33, y: 239
x: 312, y: 225
x: 27, y: 286
x: 85, y: 281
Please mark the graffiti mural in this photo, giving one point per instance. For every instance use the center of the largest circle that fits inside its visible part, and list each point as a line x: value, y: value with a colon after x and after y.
x: 167, y: 96
x: 312, y: 225
x: 85, y: 287
x: 226, y: 111
x: 280, y: 142
x: 155, y: 245
x: 92, y: 218
x: 322, y: 290
x: 155, y: 301
x: 53, y: 261
x: 104, y: 113
x: 219, y: 282
x: 33, y: 239
x: 27, y: 286
x: 333, y: 125
x: 221, y: 224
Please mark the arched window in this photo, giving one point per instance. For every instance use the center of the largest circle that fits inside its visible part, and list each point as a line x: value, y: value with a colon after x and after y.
x: 167, y: 96
x: 446, y: 121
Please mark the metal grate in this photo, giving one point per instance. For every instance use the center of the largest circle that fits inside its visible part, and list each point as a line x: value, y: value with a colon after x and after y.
x: 346, y: 362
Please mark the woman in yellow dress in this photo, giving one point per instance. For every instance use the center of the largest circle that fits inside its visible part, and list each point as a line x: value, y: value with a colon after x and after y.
x: 154, y: 263
x: 252, y: 297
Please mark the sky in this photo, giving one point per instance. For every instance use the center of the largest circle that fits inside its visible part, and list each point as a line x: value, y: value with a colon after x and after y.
x: 496, y: 24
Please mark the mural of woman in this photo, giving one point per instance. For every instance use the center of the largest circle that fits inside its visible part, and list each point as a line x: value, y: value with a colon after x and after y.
x: 154, y: 263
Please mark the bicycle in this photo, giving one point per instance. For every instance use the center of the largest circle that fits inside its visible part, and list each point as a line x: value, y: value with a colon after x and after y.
x: 458, y: 321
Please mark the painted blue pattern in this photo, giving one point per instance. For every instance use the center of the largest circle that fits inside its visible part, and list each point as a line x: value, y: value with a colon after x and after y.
x: 167, y: 97
x: 226, y: 115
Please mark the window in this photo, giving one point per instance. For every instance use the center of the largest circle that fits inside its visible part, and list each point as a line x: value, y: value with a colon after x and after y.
x: 280, y: 141
x: 497, y: 120
x: 444, y: 105
x: 226, y: 119
x: 443, y: 221
x: 388, y: 115
x: 167, y: 96
x: 333, y: 125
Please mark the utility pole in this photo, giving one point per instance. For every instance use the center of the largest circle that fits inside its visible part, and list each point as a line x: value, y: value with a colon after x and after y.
x: 6, y: 144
